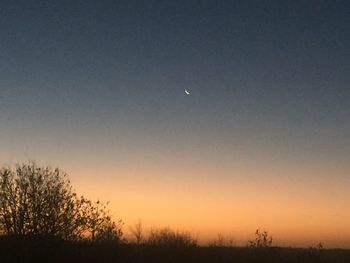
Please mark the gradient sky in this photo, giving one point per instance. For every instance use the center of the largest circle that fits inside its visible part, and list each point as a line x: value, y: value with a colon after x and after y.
x: 97, y: 88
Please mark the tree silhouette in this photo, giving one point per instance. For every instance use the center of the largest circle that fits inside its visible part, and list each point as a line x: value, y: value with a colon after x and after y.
x: 40, y: 201
x: 99, y: 223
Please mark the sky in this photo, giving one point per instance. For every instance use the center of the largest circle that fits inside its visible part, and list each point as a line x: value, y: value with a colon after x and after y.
x: 97, y: 88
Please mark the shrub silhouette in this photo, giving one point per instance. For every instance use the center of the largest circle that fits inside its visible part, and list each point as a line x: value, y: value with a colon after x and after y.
x: 137, y: 233
x: 221, y: 241
x: 167, y: 237
x: 262, y: 240
x: 40, y: 201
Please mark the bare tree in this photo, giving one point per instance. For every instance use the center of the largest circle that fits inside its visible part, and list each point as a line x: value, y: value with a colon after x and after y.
x: 100, y: 226
x: 40, y: 201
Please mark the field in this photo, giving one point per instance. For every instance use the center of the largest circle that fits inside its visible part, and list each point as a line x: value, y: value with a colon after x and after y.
x: 40, y: 249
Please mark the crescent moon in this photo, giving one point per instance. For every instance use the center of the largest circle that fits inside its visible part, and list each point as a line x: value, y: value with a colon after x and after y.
x: 187, y: 92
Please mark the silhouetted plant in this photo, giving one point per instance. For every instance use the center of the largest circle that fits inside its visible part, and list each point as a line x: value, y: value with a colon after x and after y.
x: 262, y: 240
x: 137, y: 233
x: 319, y: 246
x: 221, y: 241
x: 40, y: 201
x: 168, y: 237
x: 100, y: 226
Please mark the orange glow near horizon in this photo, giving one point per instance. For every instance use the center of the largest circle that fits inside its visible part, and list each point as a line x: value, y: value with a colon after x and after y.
x: 295, y: 210
x: 232, y: 192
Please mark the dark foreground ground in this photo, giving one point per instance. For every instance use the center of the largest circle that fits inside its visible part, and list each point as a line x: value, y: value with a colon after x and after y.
x: 52, y: 250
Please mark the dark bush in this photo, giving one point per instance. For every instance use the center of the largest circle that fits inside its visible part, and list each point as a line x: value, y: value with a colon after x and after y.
x: 170, y: 238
